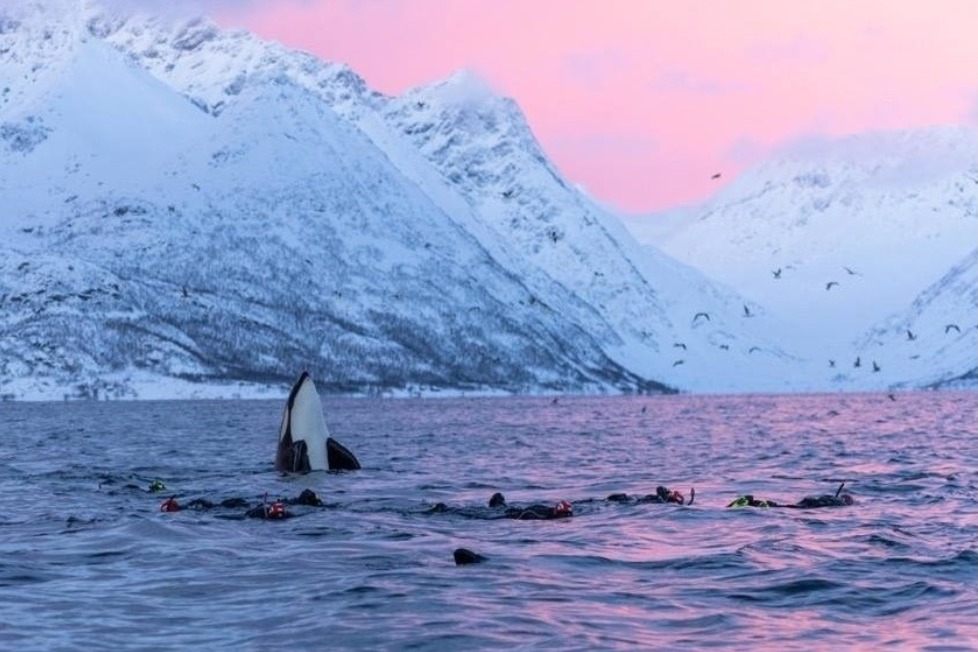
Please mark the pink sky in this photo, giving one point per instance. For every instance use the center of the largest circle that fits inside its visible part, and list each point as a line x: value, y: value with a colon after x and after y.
x: 641, y: 101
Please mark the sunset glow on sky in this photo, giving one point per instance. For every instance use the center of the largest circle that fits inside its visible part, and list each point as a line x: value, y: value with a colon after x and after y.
x: 641, y: 102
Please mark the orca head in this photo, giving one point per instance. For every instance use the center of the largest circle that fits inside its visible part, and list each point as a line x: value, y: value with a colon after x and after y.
x: 303, y: 433
x: 304, y: 443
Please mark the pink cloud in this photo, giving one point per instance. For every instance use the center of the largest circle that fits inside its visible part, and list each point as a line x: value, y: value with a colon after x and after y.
x: 641, y: 102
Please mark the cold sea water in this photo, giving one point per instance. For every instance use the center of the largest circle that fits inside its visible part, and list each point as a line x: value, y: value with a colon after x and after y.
x: 89, y: 562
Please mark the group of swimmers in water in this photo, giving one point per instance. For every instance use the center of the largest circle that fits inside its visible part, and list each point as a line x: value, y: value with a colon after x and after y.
x: 497, y: 506
x: 274, y: 510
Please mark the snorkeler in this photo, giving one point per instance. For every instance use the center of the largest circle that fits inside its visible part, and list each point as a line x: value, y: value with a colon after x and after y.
x: 275, y: 510
x: 562, y: 509
x: 809, y: 502
x: 498, y: 508
x: 661, y: 495
x: 537, y: 512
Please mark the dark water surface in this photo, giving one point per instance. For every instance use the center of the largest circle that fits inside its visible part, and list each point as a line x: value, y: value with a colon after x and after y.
x: 88, y: 562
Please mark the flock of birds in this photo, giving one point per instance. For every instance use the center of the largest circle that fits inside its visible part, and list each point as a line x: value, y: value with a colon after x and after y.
x: 776, y: 273
x: 828, y: 286
x: 705, y: 316
x: 858, y: 363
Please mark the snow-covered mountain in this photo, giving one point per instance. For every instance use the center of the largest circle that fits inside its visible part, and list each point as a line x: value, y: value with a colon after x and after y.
x: 472, y: 153
x: 182, y: 202
x: 851, y: 242
x: 934, y: 342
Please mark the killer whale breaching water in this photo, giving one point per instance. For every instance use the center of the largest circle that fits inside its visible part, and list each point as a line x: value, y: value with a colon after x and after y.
x: 304, y: 443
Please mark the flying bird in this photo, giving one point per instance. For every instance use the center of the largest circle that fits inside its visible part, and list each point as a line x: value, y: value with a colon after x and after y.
x: 715, y: 176
x: 680, y: 345
x: 754, y: 348
x: 832, y: 363
x: 850, y: 271
x: 725, y: 347
x: 911, y: 336
x: 947, y: 329
x: 876, y: 367
x: 858, y: 363
x: 705, y: 315
x: 747, y: 312
x: 777, y: 273
x: 677, y: 363
x: 828, y: 286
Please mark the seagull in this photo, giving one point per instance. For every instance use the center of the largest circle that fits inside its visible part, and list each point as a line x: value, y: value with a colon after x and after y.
x: 701, y: 314
x: 911, y: 336
x: 777, y: 273
x: 680, y: 345
x: 716, y: 176
x: 947, y: 329
x: 754, y: 348
x: 850, y: 271
x: 677, y: 363
x: 828, y: 286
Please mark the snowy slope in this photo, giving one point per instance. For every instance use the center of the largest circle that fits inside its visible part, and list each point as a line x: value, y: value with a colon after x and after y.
x: 482, y: 144
x: 835, y: 236
x: 934, y: 342
x: 566, y: 250
x: 144, y: 234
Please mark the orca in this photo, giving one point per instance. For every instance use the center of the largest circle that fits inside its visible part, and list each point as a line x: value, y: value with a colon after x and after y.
x: 304, y: 443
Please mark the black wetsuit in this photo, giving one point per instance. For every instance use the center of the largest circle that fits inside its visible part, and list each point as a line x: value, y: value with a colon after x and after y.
x: 826, y: 500
x: 498, y: 508
x: 536, y: 513
x: 809, y: 502
x: 661, y: 495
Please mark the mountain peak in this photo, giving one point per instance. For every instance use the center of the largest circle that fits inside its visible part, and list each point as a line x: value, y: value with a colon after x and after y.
x: 463, y: 88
